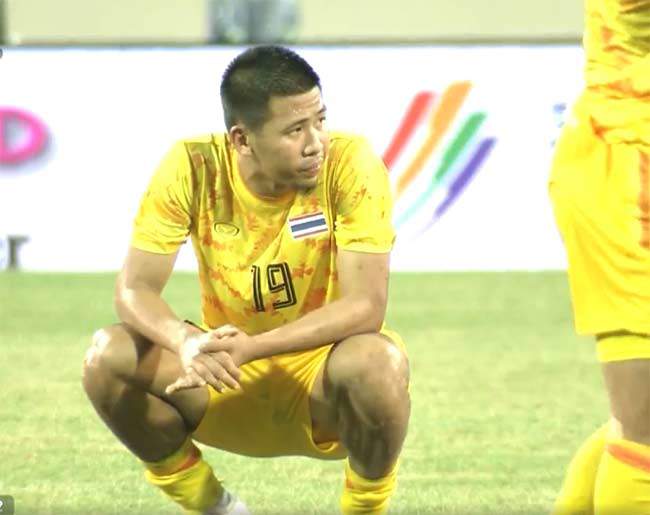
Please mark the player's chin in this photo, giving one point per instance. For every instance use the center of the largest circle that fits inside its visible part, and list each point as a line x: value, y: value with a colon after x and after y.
x: 306, y: 182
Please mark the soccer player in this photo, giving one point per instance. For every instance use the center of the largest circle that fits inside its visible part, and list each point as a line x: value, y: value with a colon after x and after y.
x: 600, y: 187
x: 291, y: 227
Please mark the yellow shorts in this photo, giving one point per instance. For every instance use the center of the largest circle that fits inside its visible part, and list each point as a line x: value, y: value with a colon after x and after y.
x: 621, y: 347
x: 601, y: 199
x: 270, y: 415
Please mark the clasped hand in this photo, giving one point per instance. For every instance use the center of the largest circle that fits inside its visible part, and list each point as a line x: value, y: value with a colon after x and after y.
x: 213, y: 358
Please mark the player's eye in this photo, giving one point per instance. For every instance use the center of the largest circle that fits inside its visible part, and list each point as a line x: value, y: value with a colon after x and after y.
x: 318, y: 124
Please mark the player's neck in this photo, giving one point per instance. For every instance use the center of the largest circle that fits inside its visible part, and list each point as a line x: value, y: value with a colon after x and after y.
x: 258, y: 182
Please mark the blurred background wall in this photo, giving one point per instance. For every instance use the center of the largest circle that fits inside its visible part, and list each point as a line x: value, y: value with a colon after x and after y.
x: 317, y: 21
x: 465, y: 119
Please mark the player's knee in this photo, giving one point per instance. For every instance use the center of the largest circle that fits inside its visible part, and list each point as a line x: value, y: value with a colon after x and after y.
x: 107, y: 354
x: 374, y: 368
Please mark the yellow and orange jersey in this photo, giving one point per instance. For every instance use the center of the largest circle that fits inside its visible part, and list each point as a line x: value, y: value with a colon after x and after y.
x: 264, y: 262
x: 617, y: 74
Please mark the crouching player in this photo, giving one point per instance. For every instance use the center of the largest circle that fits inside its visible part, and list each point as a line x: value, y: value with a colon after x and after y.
x: 291, y: 227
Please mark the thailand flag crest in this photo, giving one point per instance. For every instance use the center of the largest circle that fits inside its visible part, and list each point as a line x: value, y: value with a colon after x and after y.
x: 307, y: 225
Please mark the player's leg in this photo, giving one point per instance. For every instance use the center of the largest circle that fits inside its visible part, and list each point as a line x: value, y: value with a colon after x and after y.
x: 125, y: 376
x: 600, y: 198
x: 623, y: 481
x: 361, y: 398
x: 579, y: 174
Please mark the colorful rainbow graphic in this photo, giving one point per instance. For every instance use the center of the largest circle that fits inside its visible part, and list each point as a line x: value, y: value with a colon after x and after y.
x: 457, y: 165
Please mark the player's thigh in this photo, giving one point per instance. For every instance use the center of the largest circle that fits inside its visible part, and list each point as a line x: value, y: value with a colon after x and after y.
x: 146, y: 366
x: 601, y: 201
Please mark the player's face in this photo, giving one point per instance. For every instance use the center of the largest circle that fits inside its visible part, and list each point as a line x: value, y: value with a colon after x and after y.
x: 292, y: 144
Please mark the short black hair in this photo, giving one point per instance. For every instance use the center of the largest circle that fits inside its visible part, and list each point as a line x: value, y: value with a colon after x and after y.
x: 256, y: 75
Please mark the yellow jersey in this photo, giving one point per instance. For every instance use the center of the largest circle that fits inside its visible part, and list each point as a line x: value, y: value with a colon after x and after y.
x: 617, y: 72
x: 264, y: 262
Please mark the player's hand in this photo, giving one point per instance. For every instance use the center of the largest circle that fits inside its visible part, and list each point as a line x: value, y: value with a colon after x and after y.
x: 232, y: 340
x: 214, y: 368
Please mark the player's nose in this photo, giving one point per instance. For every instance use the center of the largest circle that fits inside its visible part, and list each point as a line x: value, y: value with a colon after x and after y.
x: 314, y: 144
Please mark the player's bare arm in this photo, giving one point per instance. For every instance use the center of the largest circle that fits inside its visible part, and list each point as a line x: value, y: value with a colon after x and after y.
x: 363, y: 280
x: 139, y: 304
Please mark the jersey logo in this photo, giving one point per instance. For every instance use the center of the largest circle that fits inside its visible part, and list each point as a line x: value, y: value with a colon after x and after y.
x: 307, y: 225
x: 226, y: 229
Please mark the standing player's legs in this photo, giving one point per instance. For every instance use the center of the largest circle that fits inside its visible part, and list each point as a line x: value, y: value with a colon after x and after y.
x: 360, y: 397
x: 601, y: 200
x: 125, y: 378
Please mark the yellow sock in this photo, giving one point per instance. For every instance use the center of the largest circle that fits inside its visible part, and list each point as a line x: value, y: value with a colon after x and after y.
x: 577, y: 494
x: 623, y: 481
x: 366, y: 496
x: 186, y: 478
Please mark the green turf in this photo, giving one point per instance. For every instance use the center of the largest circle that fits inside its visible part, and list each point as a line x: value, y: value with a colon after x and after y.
x: 502, y: 393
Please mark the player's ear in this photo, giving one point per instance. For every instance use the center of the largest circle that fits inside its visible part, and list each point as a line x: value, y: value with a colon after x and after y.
x: 240, y: 139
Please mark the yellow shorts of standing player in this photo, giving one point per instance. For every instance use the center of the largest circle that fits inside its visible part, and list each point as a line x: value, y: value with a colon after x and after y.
x: 601, y: 198
x: 269, y: 415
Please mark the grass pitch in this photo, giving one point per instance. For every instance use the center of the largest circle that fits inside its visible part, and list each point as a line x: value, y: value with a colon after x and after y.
x: 502, y: 391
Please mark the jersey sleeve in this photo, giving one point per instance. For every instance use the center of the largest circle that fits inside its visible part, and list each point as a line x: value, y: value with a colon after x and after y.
x: 363, y: 201
x: 163, y: 221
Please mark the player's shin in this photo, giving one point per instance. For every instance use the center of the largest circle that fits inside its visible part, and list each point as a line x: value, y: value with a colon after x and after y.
x: 372, y: 426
